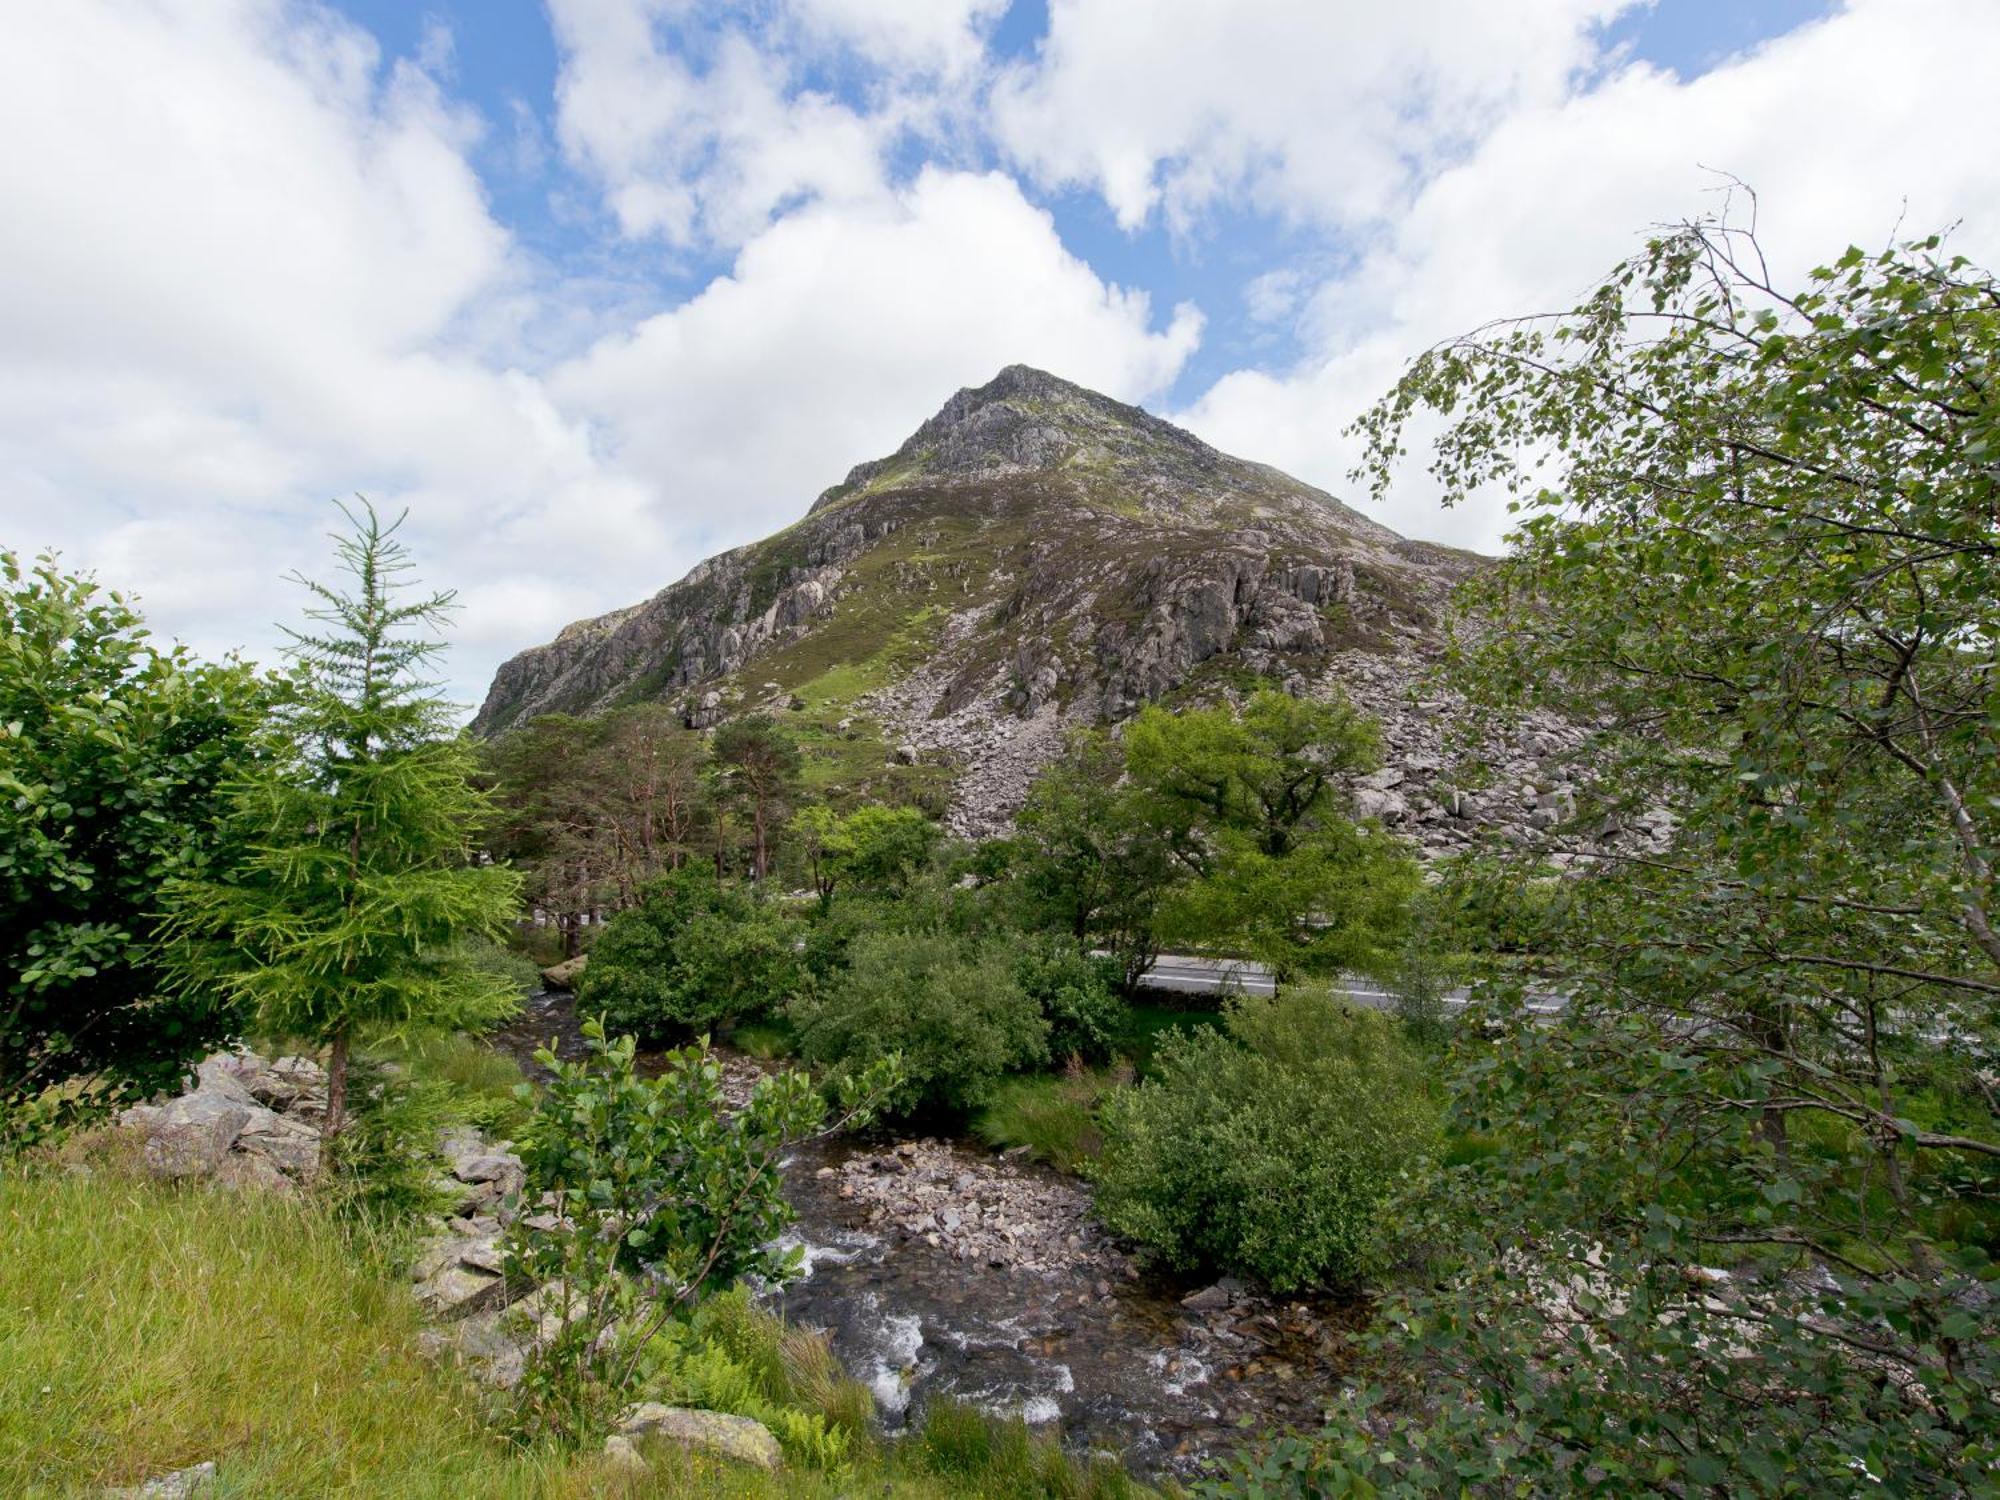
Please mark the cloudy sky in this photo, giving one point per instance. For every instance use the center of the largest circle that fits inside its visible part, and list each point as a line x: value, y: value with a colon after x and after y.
x: 598, y: 287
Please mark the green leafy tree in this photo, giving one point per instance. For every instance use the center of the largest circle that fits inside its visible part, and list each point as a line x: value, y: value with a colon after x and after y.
x: 1338, y: 899
x: 111, y: 754
x: 358, y: 875
x: 1251, y: 805
x: 1087, y: 859
x: 1735, y: 1232
x: 1270, y: 771
x: 874, y: 849
x: 757, y: 765
x: 657, y: 1195
x: 696, y: 952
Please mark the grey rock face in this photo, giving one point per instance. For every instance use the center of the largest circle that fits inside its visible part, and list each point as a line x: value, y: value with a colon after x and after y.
x: 190, y: 1136
x: 1103, y: 558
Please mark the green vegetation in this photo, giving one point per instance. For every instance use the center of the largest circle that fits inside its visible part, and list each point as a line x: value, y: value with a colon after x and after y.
x: 756, y: 767
x: 356, y: 825
x: 1053, y: 1116
x: 216, y: 1292
x: 1274, y: 1149
x: 1076, y: 993
x: 878, y: 849
x: 952, y: 1009
x: 590, y: 810
x: 976, y: 1454
x: 112, y: 751
x: 695, y: 953
x: 660, y: 1197
x: 1735, y: 1229
x: 1087, y: 860
x: 1271, y: 866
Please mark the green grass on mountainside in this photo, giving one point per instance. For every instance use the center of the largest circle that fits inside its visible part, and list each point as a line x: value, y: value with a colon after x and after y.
x: 145, y: 1328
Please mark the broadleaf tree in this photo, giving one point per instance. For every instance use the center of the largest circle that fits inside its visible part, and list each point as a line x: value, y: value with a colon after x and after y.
x: 1271, y: 864
x: 360, y: 873
x: 112, y: 749
x: 1737, y: 1228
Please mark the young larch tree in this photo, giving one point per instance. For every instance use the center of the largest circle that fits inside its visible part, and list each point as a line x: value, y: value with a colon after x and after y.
x: 360, y: 875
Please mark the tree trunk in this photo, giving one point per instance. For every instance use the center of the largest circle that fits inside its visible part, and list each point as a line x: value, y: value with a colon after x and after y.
x: 336, y: 1097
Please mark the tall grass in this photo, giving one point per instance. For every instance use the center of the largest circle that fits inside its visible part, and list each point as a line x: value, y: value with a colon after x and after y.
x: 1053, y: 1115
x: 146, y: 1327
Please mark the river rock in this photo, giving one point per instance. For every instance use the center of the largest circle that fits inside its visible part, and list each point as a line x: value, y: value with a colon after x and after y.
x: 563, y: 976
x: 982, y: 1209
x: 182, y: 1484
x: 714, y: 1432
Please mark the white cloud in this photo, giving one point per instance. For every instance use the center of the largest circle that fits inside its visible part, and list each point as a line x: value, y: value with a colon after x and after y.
x: 907, y: 36
x: 697, y: 122
x: 1844, y: 128
x: 839, y: 331
x: 1316, y: 111
x: 244, y: 273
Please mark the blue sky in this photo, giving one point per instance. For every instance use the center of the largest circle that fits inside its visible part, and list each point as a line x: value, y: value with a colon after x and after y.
x: 597, y: 288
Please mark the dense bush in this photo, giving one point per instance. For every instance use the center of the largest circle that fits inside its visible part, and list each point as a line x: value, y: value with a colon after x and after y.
x: 954, y: 1010
x: 693, y: 953
x: 1076, y: 993
x: 112, y: 752
x: 1269, y: 1150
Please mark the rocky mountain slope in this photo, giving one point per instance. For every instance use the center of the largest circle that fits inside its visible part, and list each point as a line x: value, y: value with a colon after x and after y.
x: 1035, y: 555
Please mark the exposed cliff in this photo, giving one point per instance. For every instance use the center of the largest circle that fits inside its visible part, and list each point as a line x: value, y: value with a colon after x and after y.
x: 1036, y: 554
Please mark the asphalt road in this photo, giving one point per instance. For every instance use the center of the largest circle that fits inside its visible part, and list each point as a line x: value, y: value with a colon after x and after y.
x: 1181, y: 974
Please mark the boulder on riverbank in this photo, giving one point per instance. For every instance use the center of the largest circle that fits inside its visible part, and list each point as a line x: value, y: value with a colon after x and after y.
x: 718, y: 1433
x: 563, y: 976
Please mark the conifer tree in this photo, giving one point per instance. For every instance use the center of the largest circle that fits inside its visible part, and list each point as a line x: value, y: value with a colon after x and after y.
x: 360, y: 874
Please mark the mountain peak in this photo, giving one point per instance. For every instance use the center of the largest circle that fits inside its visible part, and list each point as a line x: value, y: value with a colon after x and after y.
x: 1025, y: 419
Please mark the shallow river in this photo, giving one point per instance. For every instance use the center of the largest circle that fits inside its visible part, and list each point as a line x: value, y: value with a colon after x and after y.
x: 937, y: 1266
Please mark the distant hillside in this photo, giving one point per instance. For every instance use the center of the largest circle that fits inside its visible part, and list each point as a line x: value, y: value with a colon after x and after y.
x: 1034, y: 555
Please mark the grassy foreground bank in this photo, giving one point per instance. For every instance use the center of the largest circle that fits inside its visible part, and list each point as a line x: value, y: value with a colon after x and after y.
x: 144, y: 1328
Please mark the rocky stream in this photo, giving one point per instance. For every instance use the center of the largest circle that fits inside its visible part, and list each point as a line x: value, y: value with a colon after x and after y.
x: 940, y: 1267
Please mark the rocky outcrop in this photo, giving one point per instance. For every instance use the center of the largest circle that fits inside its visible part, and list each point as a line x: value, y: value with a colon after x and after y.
x: 247, y: 1122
